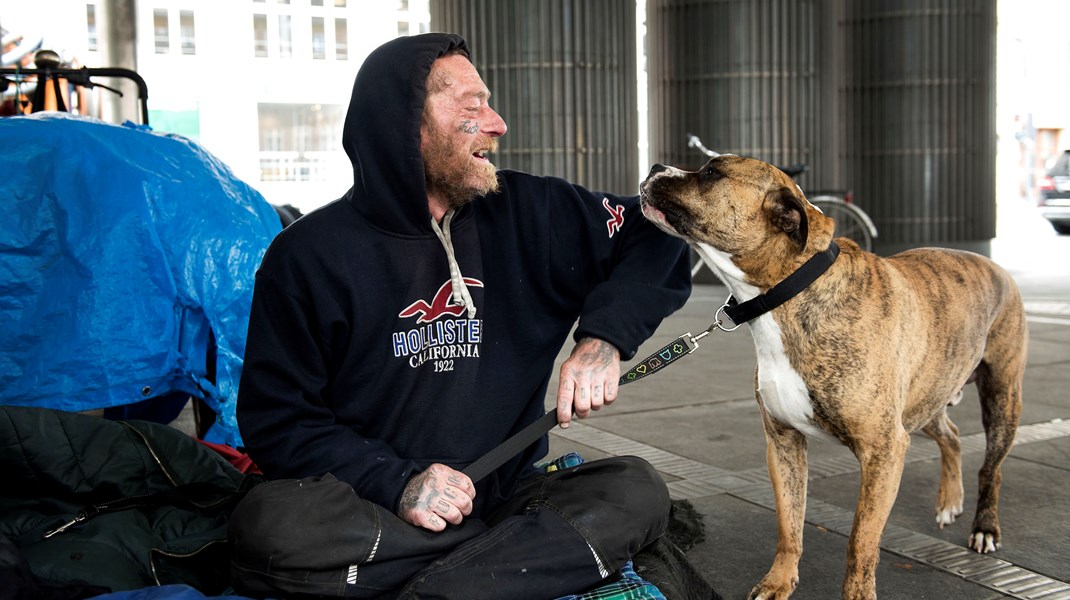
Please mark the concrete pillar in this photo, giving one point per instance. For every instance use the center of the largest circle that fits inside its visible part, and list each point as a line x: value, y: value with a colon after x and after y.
x: 920, y: 99
x: 892, y: 100
x: 119, y: 21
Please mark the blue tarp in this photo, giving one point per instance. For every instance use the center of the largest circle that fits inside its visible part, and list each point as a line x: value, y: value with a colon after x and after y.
x: 121, y: 252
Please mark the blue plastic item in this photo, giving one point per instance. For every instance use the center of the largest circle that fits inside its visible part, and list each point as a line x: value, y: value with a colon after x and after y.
x: 166, y: 592
x: 121, y: 252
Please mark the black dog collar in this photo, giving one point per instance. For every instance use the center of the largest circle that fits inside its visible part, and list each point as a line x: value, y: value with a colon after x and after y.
x: 783, y: 291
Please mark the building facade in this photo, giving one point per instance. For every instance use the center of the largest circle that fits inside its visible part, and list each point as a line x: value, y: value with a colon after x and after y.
x: 261, y: 84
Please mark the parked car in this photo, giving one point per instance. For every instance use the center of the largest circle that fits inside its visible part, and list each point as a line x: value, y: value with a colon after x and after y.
x: 1054, y: 199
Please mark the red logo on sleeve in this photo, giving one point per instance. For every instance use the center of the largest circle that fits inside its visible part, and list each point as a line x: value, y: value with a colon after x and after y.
x: 616, y: 218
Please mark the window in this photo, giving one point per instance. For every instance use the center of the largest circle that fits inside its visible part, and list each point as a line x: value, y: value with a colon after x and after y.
x: 319, y: 39
x: 414, y: 17
x: 160, y: 31
x: 91, y: 27
x: 301, y: 142
x: 260, y: 40
x: 341, y: 39
x: 285, y: 37
x: 187, y: 36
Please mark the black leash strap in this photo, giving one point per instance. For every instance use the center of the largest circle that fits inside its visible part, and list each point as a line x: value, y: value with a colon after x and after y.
x: 527, y: 436
x: 785, y: 290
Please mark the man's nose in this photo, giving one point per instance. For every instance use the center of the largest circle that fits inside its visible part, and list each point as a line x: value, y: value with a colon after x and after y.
x: 495, y: 125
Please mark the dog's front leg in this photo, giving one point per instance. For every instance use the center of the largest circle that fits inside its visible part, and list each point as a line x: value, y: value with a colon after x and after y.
x: 881, y: 456
x: 785, y: 454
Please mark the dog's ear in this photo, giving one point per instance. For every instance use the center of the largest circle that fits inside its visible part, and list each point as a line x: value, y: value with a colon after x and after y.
x: 789, y: 215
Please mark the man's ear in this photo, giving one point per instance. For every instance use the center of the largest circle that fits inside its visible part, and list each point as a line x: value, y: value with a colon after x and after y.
x: 788, y: 214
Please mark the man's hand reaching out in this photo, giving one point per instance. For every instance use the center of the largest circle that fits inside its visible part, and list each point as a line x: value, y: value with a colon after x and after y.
x: 589, y: 379
x: 437, y: 496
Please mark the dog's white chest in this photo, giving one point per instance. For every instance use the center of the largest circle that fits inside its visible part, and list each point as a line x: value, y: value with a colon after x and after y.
x: 783, y: 391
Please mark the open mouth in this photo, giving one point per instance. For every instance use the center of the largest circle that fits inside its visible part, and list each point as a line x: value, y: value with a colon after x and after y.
x: 481, y: 154
x: 669, y: 218
x: 652, y: 213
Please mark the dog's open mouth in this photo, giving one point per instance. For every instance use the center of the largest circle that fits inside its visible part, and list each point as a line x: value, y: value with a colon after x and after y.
x: 668, y: 220
x: 652, y: 213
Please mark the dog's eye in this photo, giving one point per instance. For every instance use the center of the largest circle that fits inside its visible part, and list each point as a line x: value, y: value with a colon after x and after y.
x: 709, y: 173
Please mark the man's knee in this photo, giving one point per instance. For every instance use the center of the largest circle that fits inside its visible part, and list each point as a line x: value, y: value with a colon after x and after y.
x: 643, y: 493
x: 623, y: 497
x: 649, y: 487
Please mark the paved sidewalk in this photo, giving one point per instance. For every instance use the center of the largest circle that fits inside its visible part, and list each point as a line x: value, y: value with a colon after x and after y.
x: 698, y: 423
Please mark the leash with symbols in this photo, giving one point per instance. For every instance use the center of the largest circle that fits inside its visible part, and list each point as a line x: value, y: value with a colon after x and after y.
x: 738, y: 313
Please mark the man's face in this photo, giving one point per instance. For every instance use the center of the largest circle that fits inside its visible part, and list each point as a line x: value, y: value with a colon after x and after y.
x: 459, y: 129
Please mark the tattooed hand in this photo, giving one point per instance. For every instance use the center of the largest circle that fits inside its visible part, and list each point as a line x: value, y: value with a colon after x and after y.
x: 588, y: 379
x: 437, y: 496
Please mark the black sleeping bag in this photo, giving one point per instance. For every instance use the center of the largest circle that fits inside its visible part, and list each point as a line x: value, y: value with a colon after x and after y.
x: 155, y: 501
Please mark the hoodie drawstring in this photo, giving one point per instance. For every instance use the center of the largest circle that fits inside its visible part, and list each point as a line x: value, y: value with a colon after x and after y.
x: 461, y: 294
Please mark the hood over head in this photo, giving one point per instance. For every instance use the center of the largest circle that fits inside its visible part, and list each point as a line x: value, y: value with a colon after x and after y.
x: 382, y: 132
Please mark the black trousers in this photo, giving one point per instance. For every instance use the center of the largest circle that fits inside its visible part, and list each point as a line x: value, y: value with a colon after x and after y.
x: 559, y: 534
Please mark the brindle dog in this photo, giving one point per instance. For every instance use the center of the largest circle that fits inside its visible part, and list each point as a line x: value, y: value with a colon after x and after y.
x: 874, y: 349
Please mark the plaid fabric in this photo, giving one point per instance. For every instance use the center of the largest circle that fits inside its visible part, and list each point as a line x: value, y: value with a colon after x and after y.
x: 629, y: 586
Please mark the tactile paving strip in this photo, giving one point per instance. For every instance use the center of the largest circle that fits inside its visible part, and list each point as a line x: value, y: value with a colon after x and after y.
x: 696, y: 479
x: 982, y: 569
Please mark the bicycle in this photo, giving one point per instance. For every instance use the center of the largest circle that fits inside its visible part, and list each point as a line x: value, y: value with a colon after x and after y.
x: 851, y: 221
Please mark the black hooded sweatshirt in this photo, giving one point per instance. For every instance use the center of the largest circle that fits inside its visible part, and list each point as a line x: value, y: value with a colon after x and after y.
x: 359, y: 360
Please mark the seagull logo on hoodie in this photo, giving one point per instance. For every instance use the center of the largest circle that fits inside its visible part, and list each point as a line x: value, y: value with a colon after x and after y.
x: 442, y: 304
x: 435, y: 338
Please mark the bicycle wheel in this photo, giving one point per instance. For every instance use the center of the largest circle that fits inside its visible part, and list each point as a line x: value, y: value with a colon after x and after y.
x: 850, y: 221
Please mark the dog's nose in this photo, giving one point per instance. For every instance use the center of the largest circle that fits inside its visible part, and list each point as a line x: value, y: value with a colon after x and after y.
x: 657, y: 168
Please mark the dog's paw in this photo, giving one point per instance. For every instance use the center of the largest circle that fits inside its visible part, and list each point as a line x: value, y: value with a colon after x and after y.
x: 756, y: 594
x: 947, y: 515
x: 765, y: 591
x: 983, y: 543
